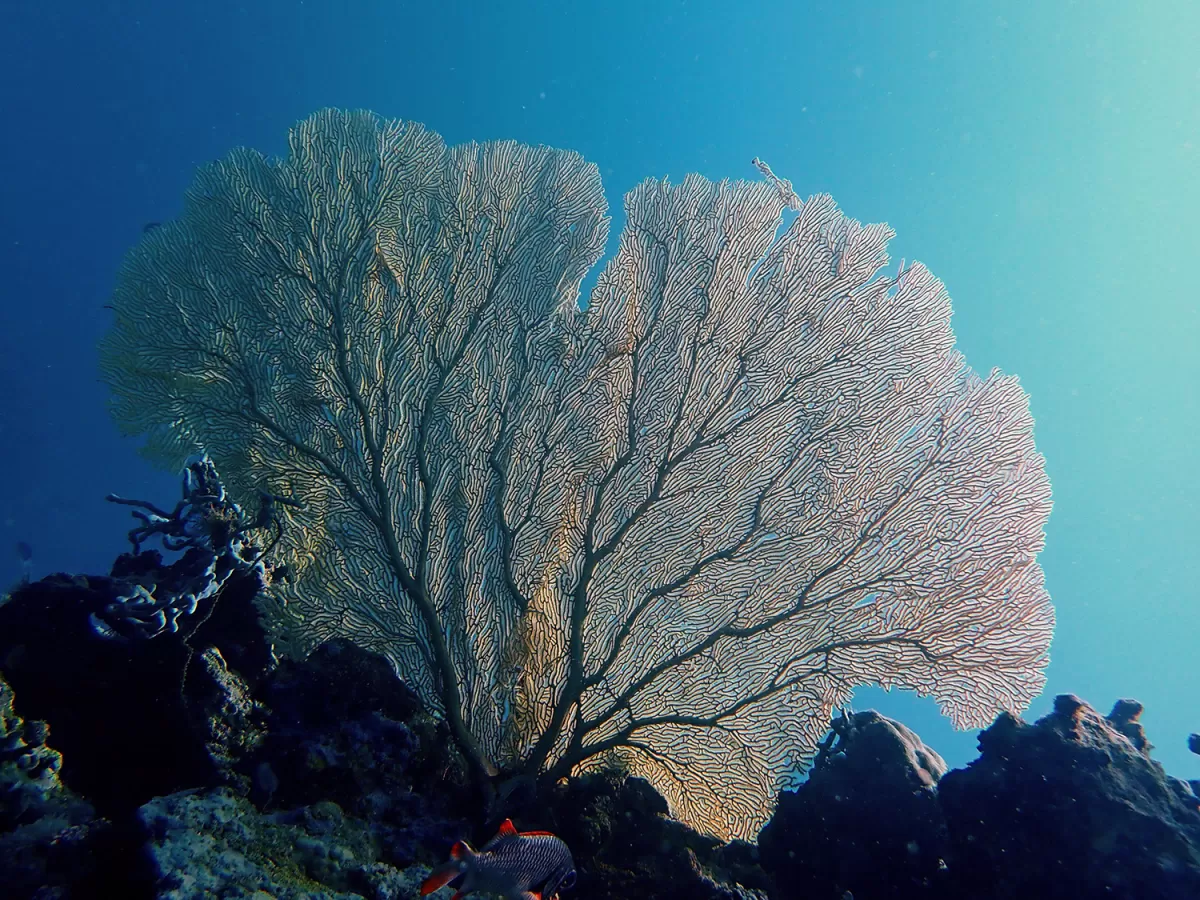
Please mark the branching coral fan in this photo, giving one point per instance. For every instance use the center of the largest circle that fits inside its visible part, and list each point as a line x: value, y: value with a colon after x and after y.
x: 678, y: 522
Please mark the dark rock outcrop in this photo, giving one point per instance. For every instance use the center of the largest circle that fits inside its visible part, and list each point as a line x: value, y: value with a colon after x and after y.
x: 343, y: 728
x: 49, y: 837
x: 1071, y: 806
x: 626, y: 845
x: 133, y: 719
x: 866, y: 821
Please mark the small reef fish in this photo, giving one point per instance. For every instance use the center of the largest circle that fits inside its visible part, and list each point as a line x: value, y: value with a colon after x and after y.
x: 518, y: 865
x: 25, y: 554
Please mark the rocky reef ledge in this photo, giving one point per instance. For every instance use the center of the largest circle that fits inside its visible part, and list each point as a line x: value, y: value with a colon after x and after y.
x: 197, y: 765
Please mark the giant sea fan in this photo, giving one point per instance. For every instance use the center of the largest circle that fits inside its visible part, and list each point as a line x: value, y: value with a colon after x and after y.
x: 677, y: 523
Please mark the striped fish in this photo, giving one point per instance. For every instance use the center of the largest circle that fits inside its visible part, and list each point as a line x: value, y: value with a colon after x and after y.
x: 518, y: 865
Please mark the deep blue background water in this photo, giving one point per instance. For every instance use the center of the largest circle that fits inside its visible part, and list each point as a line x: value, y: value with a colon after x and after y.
x: 1043, y: 159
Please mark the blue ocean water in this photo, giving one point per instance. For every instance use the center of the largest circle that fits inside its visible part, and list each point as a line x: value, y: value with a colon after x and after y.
x: 1042, y: 159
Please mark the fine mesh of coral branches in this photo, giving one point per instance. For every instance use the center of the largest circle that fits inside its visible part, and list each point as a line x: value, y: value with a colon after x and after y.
x: 675, y: 522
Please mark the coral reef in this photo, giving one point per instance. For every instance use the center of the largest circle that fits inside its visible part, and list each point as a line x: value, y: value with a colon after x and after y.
x: 144, y: 676
x: 326, y: 778
x: 679, y: 519
x: 626, y: 845
x: 343, y: 727
x: 320, y: 778
x: 192, y: 763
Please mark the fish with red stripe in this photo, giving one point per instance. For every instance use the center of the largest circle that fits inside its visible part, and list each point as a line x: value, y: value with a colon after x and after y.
x: 518, y: 865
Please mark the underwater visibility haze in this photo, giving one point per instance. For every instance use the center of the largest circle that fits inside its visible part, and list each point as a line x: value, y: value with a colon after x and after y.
x: 563, y: 356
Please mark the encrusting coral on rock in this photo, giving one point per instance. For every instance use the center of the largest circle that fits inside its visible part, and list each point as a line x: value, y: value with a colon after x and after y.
x: 200, y: 843
x: 48, y: 835
x: 129, y: 668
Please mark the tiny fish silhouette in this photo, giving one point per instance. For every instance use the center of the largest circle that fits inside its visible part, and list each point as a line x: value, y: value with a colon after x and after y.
x: 518, y: 865
x: 150, y: 226
x: 25, y: 552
